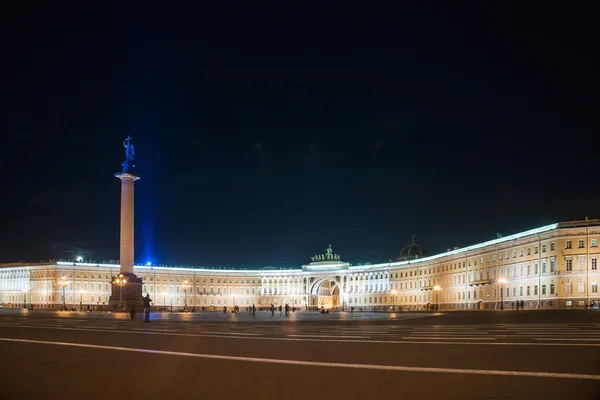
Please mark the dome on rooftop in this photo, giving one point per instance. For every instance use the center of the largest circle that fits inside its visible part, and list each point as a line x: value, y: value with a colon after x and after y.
x: 412, y: 252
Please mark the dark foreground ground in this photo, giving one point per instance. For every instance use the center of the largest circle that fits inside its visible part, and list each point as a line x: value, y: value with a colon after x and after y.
x: 460, y: 355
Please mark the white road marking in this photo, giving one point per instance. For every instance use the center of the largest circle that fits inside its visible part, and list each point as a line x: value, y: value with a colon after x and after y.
x: 571, y: 339
x: 412, y: 342
x: 447, y: 337
x: 328, y: 336
x: 319, y: 363
x: 231, y: 333
x: 445, y: 334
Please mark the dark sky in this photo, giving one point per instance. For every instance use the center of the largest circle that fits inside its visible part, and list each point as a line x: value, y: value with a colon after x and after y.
x: 262, y: 139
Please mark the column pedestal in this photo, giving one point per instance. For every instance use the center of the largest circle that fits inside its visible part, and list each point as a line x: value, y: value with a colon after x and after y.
x: 132, y: 294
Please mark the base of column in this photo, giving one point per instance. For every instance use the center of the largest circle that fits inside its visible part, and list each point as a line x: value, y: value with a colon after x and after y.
x: 130, y: 294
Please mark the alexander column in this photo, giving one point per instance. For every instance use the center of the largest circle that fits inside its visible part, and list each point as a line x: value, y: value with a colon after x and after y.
x: 127, y: 287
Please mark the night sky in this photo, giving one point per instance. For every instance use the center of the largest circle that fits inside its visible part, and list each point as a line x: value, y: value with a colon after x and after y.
x: 262, y: 139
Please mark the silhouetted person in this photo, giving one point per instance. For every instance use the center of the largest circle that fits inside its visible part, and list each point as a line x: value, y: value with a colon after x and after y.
x: 147, y: 301
x: 132, y: 311
x: 287, y: 309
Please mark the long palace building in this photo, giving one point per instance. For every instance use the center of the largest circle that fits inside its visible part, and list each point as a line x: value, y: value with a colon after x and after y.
x: 554, y: 266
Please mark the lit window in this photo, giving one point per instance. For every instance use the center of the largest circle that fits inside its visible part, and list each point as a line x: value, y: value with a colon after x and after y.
x: 594, y: 243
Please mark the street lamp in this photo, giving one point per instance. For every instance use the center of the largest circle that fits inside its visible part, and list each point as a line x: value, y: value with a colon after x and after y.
x: 502, y: 282
x: 81, y: 292
x: 394, y: 291
x: 25, y: 290
x: 63, y: 283
x: 185, y: 289
x: 121, y: 281
x: 437, y: 289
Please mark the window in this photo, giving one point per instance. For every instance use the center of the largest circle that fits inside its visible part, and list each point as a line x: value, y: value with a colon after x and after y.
x: 569, y: 303
x: 594, y: 287
x: 552, y: 266
x: 594, y: 244
x: 580, y: 244
x: 569, y: 264
x: 528, y: 290
x: 543, y: 266
x: 568, y: 245
x: 529, y: 251
x: 552, y: 288
x: 528, y: 269
x: 581, y: 263
x: 569, y: 288
x: 520, y: 290
x: 514, y: 253
x: 552, y: 246
x: 536, y: 268
x: 535, y: 250
x: 594, y: 264
x: 581, y: 287
x: 543, y: 289
x: 514, y: 291
x: 521, y: 253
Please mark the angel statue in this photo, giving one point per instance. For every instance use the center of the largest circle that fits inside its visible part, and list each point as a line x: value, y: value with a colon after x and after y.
x: 129, y: 150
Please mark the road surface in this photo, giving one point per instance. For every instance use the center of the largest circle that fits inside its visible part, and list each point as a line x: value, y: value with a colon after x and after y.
x: 458, y: 355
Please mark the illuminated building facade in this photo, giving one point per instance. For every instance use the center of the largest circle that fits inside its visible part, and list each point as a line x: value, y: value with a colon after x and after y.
x: 554, y: 266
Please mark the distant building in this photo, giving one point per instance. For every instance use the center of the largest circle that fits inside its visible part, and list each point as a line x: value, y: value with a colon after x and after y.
x: 554, y: 266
